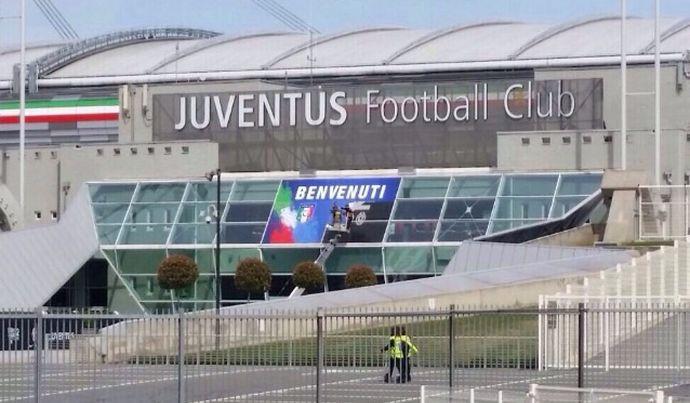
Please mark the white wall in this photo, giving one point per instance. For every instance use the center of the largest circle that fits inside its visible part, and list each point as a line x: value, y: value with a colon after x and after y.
x: 79, y: 164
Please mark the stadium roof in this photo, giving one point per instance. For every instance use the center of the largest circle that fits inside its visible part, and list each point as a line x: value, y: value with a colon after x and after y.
x: 172, y: 54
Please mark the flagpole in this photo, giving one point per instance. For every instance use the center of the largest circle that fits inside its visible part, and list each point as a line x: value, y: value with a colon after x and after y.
x: 22, y: 104
x: 624, y: 93
x: 657, y: 96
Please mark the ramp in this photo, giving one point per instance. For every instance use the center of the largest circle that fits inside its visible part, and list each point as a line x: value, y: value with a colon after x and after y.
x: 36, y: 262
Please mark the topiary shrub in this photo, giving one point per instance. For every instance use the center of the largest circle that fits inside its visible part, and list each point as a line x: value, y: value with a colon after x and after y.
x: 308, y: 275
x: 252, y: 275
x: 176, y: 272
x: 359, y: 275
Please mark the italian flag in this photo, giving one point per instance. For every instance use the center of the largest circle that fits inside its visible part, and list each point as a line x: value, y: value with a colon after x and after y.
x: 61, y: 110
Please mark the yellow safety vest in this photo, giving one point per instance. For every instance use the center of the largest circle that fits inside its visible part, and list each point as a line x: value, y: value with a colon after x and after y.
x: 395, y: 347
x: 411, y: 347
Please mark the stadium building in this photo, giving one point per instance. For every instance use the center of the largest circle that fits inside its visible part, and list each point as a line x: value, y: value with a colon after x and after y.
x: 496, y: 131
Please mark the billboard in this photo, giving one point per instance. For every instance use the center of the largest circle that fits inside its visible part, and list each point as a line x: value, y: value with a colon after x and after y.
x: 303, y: 207
x: 423, y: 124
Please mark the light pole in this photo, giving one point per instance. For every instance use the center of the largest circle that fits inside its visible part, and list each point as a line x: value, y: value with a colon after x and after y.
x: 210, y: 177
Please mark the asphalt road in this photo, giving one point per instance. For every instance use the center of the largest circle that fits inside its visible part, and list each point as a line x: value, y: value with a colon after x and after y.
x: 158, y: 383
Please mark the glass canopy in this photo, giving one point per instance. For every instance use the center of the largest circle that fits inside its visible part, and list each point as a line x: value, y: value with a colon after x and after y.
x: 139, y: 223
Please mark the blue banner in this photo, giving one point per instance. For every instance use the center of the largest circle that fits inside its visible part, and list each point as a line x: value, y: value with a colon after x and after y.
x: 303, y: 207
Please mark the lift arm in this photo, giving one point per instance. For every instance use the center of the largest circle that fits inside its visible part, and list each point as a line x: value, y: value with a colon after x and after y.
x: 326, y: 251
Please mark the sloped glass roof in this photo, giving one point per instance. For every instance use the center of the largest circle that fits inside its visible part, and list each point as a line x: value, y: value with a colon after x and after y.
x: 426, y: 209
x: 411, y: 230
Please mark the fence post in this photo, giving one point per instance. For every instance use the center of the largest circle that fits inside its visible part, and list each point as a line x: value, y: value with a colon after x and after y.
x: 540, y: 335
x: 607, y: 333
x: 319, y: 352
x: 180, y: 358
x: 532, y: 393
x: 580, y: 344
x: 451, y: 338
x: 38, y: 349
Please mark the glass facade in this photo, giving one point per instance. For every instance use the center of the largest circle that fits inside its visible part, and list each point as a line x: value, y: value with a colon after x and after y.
x: 139, y: 223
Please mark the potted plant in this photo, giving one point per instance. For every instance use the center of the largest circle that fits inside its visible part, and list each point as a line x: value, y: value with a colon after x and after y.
x: 308, y: 275
x: 176, y: 272
x: 359, y: 275
x: 252, y: 276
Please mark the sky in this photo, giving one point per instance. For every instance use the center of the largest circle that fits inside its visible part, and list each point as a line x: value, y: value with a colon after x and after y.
x: 94, y: 17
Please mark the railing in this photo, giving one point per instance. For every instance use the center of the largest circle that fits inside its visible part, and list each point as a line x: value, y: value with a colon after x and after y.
x: 335, y: 356
x: 540, y: 393
x: 663, y: 212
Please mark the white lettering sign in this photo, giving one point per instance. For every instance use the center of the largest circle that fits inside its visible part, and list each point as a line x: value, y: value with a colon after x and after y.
x: 340, y: 192
x: 333, y: 108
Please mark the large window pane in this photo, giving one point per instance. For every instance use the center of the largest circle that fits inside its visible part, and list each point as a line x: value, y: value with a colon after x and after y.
x: 248, y: 212
x: 208, y: 191
x: 564, y: 204
x: 459, y: 230
x: 160, y: 192
x: 502, y: 225
x: 409, y: 260
x: 196, y: 212
x: 424, y: 187
x: 109, y: 213
x: 444, y: 254
x: 107, y: 234
x: 158, y: 213
x: 474, y: 186
x: 532, y: 185
x: 260, y: 191
x: 229, y: 258
x: 579, y: 184
x: 148, y: 289
x: 411, y: 231
x: 343, y: 258
x: 418, y: 209
x: 202, y: 257
x: 142, y: 234
x: 284, y: 260
x: 205, y: 290
x: 469, y: 208
x: 242, y: 233
x: 111, y: 193
x: 139, y: 261
x: 193, y: 233
x: 523, y: 207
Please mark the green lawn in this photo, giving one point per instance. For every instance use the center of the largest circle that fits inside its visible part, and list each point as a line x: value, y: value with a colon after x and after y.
x: 488, y: 340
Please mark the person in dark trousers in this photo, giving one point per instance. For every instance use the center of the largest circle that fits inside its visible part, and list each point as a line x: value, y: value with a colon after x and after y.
x: 408, y: 349
x: 335, y: 215
x: 394, y: 348
x: 350, y: 215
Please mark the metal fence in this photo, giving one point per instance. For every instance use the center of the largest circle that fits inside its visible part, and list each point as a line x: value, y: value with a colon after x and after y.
x: 539, y: 393
x: 663, y: 212
x: 336, y: 356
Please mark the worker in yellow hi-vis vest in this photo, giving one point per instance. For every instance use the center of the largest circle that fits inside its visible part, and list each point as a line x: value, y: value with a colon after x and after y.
x: 395, y: 355
x: 408, y: 350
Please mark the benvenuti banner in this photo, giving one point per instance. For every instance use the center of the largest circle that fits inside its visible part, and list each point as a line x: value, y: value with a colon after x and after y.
x: 302, y: 207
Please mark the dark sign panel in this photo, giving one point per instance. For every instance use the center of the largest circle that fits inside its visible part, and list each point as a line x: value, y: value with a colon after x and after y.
x: 448, y: 124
